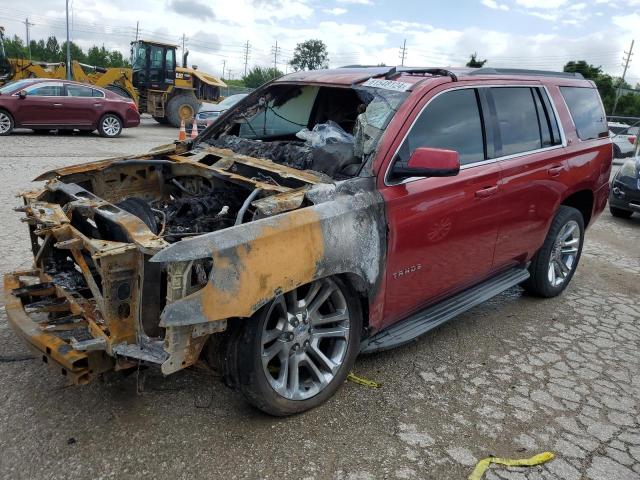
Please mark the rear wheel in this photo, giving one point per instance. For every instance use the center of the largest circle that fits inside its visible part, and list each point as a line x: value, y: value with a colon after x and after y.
x: 6, y: 123
x: 110, y: 125
x: 555, y: 263
x: 182, y: 107
x: 619, y: 212
x: 297, y: 350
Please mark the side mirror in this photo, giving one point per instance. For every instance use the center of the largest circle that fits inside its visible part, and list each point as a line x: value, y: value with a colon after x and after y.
x: 429, y: 162
x: 22, y: 94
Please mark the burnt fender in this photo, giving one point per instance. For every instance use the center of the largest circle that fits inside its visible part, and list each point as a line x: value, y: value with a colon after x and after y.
x: 256, y: 261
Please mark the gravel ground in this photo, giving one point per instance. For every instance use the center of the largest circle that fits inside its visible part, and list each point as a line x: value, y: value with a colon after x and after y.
x: 513, y: 377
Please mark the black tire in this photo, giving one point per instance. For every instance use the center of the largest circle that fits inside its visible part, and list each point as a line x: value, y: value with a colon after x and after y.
x: 619, y: 212
x: 110, y: 125
x: 539, y: 282
x: 162, y: 120
x: 245, y: 371
x: 182, y: 107
x: 616, y: 151
x: 6, y: 123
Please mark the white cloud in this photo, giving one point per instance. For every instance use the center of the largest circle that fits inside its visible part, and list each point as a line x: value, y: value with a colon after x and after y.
x: 336, y: 11
x: 542, y: 4
x: 495, y: 5
x: 357, y: 2
x: 627, y: 22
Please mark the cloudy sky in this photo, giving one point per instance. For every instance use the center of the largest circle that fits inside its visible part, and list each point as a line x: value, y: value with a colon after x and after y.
x: 519, y: 33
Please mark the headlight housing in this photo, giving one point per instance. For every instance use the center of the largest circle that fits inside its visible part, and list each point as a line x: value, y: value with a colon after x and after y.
x: 629, y: 169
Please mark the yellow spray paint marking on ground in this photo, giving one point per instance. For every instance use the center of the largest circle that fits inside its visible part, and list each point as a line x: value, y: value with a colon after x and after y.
x: 363, y: 381
x: 483, y: 464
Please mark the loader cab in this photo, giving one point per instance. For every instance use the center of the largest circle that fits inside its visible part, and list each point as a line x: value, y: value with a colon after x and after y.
x: 153, y: 64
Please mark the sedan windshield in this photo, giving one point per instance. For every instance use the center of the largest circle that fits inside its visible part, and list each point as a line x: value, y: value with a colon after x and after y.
x: 13, y: 86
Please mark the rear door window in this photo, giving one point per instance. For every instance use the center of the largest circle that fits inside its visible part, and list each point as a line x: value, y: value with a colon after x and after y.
x: 517, y: 118
x: 46, y: 90
x: 79, y: 91
x: 586, y: 111
x: 451, y: 121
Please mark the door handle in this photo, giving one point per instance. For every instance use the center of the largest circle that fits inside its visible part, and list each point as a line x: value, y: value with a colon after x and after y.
x: 57, y: 104
x: 486, y: 191
x: 555, y: 171
x: 97, y: 105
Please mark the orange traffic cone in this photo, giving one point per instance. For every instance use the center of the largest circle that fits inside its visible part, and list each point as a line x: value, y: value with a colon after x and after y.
x: 194, y: 129
x: 182, y: 134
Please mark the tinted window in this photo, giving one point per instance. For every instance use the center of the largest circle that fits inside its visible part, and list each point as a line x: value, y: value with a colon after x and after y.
x: 451, y: 121
x: 517, y: 118
x: 586, y: 112
x: 551, y: 117
x: 48, y: 90
x: 78, y: 91
x: 97, y: 93
x: 618, y: 130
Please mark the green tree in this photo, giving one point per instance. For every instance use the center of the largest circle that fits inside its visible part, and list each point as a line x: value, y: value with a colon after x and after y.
x: 310, y: 55
x: 76, y: 53
x: 98, y: 56
x: 474, y: 62
x: 117, y: 60
x: 52, y: 49
x: 258, y: 76
x: 15, y: 48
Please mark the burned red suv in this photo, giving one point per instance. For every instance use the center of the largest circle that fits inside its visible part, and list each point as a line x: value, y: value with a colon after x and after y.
x: 328, y: 214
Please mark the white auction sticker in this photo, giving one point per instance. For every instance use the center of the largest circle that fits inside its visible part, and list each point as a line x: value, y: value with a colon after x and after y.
x: 387, y: 84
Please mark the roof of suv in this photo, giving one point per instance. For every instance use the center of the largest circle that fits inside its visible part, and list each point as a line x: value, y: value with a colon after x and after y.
x: 357, y: 74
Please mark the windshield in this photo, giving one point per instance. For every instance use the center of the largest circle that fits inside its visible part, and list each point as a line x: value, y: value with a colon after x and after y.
x: 230, y: 101
x: 138, y: 56
x: 13, y: 86
x: 330, y: 129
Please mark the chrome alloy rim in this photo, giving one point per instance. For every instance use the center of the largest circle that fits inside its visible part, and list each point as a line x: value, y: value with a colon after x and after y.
x: 564, y: 253
x: 111, y: 126
x: 304, y: 339
x: 5, y: 122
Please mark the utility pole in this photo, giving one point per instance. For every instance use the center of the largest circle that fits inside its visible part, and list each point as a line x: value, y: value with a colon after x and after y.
x: 137, y: 26
x: 224, y: 64
x: 28, y: 24
x: 183, y: 40
x: 276, y: 51
x: 246, y: 57
x: 626, y: 61
x: 68, y: 46
x: 403, y: 52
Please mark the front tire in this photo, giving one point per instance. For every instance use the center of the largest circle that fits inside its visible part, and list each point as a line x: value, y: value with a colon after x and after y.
x: 110, y: 126
x: 619, y: 212
x: 6, y: 123
x: 184, y: 106
x: 296, y: 351
x: 552, y: 268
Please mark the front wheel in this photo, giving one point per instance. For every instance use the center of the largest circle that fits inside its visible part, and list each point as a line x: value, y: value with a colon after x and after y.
x: 110, y: 126
x: 295, y: 352
x: 6, y: 123
x: 555, y: 263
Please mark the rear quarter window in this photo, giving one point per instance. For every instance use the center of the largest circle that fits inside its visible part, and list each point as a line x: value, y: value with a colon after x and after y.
x: 586, y: 111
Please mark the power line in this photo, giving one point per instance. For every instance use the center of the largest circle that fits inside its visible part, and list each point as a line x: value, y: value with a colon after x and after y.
x: 246, y: 57
x: 28, y: 24
x: 626, y: 61
x: 275, y: 50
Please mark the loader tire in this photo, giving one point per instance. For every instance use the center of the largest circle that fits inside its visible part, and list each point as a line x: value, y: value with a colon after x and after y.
x: 182, y: 107
x: 162, y: 120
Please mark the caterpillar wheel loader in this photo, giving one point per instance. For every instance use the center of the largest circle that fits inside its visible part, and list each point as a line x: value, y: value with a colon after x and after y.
x: 159, y: 87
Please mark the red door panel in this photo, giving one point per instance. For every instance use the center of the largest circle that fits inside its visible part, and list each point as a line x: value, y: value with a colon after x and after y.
x: 442, y: 234
x: 34, y: 110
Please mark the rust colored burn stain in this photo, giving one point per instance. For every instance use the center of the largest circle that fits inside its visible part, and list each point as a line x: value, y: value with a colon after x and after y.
x: 283, y: 255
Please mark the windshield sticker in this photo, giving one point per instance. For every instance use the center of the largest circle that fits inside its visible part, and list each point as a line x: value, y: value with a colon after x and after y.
x: 387, y: 84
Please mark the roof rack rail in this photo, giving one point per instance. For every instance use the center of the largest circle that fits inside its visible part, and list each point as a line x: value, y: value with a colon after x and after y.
x: 436, y: 72
x: 523, y: 71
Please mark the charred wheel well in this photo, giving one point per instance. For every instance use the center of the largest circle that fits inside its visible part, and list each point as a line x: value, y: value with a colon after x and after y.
x: 581, y: 201
x: 359, y: 289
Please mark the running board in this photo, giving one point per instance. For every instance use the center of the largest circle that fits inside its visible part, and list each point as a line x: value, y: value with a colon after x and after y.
x: 420, y: 323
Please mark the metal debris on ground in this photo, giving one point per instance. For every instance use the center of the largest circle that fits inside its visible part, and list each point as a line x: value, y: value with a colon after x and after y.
x: 484, y: 464
x: 363, y: 381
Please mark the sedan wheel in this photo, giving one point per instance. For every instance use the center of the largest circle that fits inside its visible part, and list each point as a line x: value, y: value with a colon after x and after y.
x: 110, y: 126
x: 6, y: 123
x: 297, y: 350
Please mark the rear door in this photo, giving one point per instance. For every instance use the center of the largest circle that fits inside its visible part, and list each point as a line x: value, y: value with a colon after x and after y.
x: 529, y: 145
x: 43, y: 105
x: 442, y: 231
x: 82, y: 108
